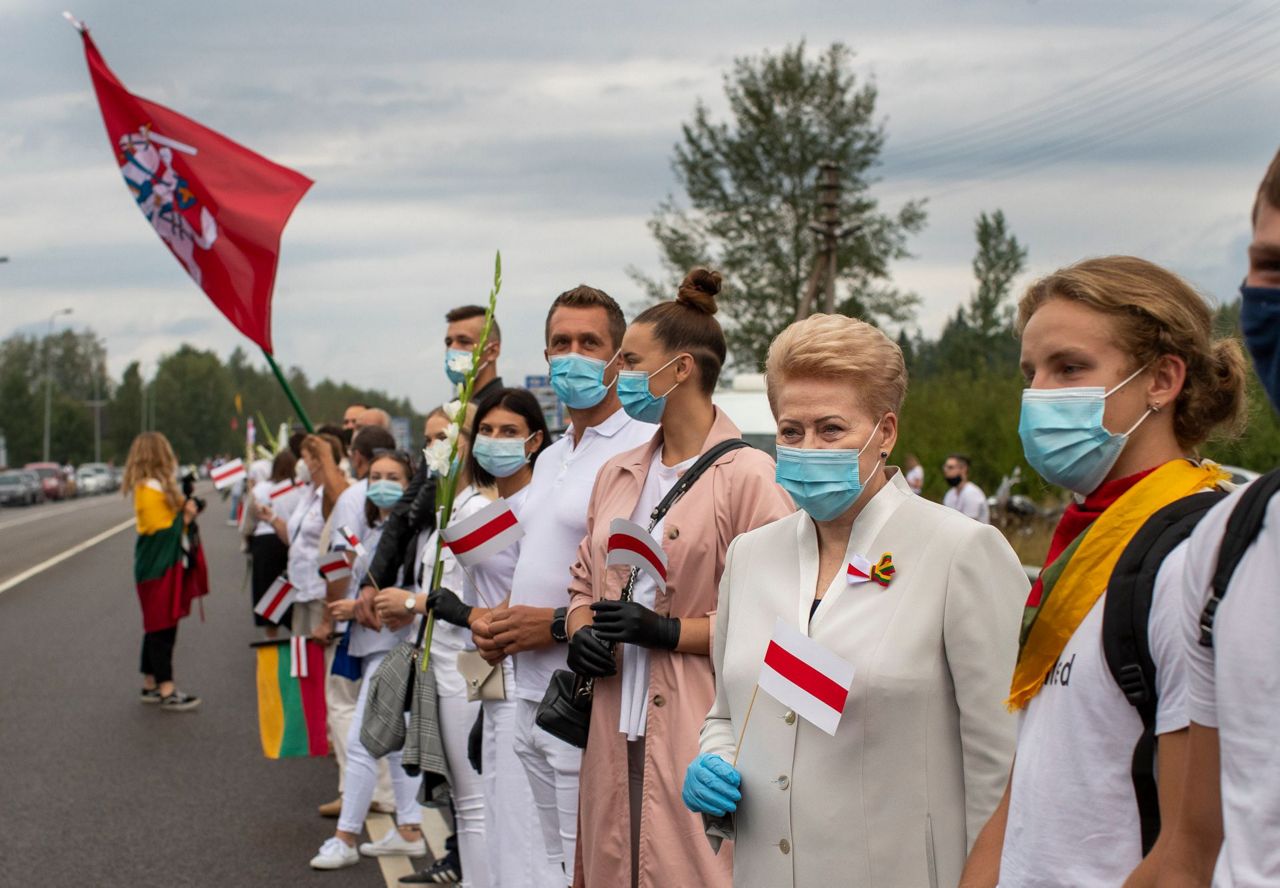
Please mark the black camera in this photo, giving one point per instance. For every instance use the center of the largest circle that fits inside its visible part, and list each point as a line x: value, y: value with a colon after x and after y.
x: 189, y: 491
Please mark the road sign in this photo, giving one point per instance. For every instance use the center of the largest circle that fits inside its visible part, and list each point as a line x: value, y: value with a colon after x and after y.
x: 552, y: 409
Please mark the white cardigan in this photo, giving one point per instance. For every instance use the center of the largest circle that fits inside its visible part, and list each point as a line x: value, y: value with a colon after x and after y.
x: 923, y: 750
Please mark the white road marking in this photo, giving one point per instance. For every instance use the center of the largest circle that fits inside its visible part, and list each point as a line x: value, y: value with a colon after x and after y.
x: 63, y: 556
x: 53, y: 510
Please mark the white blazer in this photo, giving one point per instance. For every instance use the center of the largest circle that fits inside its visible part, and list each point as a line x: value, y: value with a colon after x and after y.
x: 922, y: 754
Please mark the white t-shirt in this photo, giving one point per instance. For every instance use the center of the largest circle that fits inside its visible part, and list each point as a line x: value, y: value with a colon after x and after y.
x: 915, y: 479
x: 1235, y: 687
x: 1073, y: 819
x: 559, y: 494
x: 634, y: 710
x: 305, y: 526
x: 969, y: 500
x: 348, y: 511
x: 366, y: 641
x: 448, y: 640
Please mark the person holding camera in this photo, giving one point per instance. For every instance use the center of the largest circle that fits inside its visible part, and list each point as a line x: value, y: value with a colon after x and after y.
x: 168, y: 564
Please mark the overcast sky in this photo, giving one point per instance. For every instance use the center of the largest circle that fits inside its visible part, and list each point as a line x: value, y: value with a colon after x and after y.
x: 438, y: 132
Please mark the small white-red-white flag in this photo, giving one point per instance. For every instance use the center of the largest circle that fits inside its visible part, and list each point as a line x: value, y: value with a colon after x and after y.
x: 335, y: 566
x: 804, y: 676
x: 283, y: 488
x: 631, y: 545
x: 298, y: 656
x: 276, y: 600
x: 859, y: 570
x: 352, y: 540
x: 227, y: 474
x: 485, y: 533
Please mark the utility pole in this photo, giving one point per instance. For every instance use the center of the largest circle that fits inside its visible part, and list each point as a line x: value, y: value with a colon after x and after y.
x: 96, y: 404
x: 48, y: 377
x: 830, y: 232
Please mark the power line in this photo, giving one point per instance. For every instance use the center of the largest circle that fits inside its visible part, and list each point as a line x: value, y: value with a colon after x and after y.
x: 1072, y: 101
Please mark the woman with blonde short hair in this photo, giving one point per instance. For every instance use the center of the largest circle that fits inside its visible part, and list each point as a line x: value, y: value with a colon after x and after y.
x: 920, y: 600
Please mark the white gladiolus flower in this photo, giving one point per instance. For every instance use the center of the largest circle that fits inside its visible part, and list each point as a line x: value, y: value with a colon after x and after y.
x: 460, y: 363
x: 451, y: 433
x: 437, y: 456
x: 452, y: 409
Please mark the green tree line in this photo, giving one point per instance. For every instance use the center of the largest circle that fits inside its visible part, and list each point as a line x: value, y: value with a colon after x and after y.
x: 192, y: 398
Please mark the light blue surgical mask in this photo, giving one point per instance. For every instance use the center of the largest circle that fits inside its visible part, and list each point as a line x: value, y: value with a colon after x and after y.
x: 384, y: 493
x: 636, y: 397
x: 578, y: 380
x: 1063, y: 436
x: 824, y: 482
x: 501, y: 457
x: 457, y: 377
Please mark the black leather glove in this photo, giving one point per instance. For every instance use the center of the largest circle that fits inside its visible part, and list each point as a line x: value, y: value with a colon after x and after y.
x: 633, y: 623
x: 475, y: 744
x: 589, y: 656
x: 449, y: 607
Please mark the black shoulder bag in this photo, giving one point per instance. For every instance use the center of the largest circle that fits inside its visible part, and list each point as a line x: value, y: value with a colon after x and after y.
x: 565, y: 710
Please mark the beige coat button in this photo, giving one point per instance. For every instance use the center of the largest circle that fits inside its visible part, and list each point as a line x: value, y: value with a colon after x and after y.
x: 783, y: 782
x: 673, y: 533
x: 784, y: 846
x: 789, y: 718
x: 659, y: 700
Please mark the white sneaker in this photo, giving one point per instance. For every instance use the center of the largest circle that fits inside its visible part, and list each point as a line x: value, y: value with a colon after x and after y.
x: 335, y: 854
x: 394, y: 843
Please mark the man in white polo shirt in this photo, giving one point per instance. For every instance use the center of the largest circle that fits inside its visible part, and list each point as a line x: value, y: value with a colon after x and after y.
x: 584, y: 335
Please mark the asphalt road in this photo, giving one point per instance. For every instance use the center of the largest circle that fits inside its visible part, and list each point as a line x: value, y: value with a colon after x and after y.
x: 98, y: 789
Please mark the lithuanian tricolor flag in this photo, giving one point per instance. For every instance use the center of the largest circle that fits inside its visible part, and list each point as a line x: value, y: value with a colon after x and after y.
x: 167, y: 579
x: 291, y: 708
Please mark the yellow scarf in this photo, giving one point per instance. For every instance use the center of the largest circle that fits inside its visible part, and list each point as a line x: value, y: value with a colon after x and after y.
x: 1088, y: 572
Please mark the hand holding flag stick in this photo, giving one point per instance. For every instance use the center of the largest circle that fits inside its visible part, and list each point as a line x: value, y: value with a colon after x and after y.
x: 443, y: 455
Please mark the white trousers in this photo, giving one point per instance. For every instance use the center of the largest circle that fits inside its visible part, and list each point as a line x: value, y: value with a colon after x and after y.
x: 340, y: 696
x: 517, y: 852
x: 362, y: 771
x: 552, y: 767
x: 457, y: 715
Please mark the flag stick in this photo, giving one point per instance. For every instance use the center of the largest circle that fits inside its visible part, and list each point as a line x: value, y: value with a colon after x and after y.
x: 288, y: 391
x: 746, y: 718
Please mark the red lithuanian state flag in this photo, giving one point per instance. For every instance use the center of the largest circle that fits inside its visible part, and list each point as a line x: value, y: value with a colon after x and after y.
x: 291, y: 708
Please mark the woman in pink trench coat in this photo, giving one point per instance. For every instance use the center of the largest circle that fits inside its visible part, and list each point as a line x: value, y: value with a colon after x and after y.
x: 642, y: 738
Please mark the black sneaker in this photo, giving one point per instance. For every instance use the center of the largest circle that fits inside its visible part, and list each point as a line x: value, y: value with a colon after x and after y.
x: 179, y: 702
x: 149, y: 695
x: 444, y: 871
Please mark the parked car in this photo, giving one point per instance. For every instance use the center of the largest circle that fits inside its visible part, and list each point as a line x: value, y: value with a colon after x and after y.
x: 94, y: 478
x: 19, y: 488
x: 51, y: 481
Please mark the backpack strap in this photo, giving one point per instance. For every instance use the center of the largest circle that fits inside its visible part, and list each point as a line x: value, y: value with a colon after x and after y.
x: 1125, y: 641
x: 1242, y: 528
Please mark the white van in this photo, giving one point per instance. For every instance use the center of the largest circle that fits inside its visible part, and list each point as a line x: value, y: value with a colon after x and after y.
x: 745, y: 402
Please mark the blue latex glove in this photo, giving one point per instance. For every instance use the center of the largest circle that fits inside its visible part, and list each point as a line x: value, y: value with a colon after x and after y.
x: 711, y: 786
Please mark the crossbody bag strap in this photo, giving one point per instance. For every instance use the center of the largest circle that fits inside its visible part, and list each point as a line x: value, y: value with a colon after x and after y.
x: 680, y: 488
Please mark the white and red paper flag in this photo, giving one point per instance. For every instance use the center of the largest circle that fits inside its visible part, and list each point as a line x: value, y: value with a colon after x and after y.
x: 352, y: 540
x: 630, y: 545
x: 485, y: 533
x: 276, y: 600
x: 284, y: 488
x: 804, y: 676
x: 219, y: 207
x: 298, y: 656
x: 859, y: 570
x: 334, y: 566
x: 227, y: 474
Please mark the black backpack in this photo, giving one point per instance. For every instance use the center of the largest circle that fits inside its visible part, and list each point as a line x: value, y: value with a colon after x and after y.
x: 1128, y: 609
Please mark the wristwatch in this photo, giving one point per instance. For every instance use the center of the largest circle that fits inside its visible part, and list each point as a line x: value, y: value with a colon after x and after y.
x: 559, y: 631
x: 410, y: 603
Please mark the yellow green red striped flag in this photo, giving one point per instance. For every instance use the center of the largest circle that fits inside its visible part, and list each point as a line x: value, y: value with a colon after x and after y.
x: 291, y: 706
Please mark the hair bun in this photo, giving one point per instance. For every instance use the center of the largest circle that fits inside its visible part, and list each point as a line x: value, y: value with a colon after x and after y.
x: 698, y: 290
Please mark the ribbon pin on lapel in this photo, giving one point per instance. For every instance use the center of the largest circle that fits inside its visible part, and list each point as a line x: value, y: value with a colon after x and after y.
x: 860, y: 570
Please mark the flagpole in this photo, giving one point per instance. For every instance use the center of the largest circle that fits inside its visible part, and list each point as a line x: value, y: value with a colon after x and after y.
x: 746, y: 718
x: 288, y: 390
